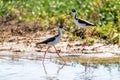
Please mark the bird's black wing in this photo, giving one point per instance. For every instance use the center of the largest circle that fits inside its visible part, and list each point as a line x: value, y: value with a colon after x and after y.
x: 48, y: 40
x: 85, y: 22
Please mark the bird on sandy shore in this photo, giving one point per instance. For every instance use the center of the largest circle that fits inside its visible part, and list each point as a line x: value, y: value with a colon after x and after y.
x: 80, y: 22
x: 52, y: 41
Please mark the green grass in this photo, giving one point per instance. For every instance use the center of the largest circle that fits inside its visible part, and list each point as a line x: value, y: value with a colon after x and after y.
x: 104, y: 13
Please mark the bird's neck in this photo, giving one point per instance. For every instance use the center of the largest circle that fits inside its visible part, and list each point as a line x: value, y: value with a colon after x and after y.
x: 74, y: 16
x: 60, y: 32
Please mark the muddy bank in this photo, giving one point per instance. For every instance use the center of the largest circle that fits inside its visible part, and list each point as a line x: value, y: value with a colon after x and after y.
x: 98, y: 53
x: 18, y: 38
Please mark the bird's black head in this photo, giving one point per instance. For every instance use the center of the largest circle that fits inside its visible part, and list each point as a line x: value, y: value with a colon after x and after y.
x: 73, y: 10
x: 61, y: 26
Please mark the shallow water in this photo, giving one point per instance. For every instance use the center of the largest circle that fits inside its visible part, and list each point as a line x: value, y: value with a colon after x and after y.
x: 33, y: 70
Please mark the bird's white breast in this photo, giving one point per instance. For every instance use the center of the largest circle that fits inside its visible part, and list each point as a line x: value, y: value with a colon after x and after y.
x: 80, y: 24
x: 57, y: 39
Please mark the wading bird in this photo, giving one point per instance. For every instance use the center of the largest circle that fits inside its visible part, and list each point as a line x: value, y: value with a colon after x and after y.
x: 80, y: 22
x: 52, y: 41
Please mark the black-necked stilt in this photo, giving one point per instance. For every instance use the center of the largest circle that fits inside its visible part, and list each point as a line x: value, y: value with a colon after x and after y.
x: 80, y: 22
x: 52, y: 41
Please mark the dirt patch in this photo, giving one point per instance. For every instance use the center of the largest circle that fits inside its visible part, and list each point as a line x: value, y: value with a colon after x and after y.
x: 19, y: 28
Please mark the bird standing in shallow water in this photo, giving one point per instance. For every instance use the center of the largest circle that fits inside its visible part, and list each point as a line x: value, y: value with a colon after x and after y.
x: 81, y: 23
x: 52, y: 41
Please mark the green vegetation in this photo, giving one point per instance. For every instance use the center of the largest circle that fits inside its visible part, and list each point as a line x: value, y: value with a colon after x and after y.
x: 104, y: 13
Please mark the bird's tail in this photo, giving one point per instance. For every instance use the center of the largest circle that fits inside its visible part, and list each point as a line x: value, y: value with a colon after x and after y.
x: 39, y: 43
x: 91, y: 24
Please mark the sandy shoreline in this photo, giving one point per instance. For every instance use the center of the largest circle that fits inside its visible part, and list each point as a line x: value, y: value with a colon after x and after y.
x: 23, y: 46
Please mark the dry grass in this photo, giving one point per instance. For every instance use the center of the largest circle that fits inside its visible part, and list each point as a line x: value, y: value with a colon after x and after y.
x: 84, y: 60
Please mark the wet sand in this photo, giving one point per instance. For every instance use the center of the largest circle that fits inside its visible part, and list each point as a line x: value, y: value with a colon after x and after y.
x: 25, y: 48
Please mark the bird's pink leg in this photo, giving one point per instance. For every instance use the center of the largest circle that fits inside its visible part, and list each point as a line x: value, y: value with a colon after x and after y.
x: 45, y: 54
x: 43, y: 60
x: 59, y: 55
x: 90, y: 33
x: 85, y: 43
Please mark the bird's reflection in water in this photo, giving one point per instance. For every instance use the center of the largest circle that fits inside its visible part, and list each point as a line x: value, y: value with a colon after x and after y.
x: 51, y: 77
